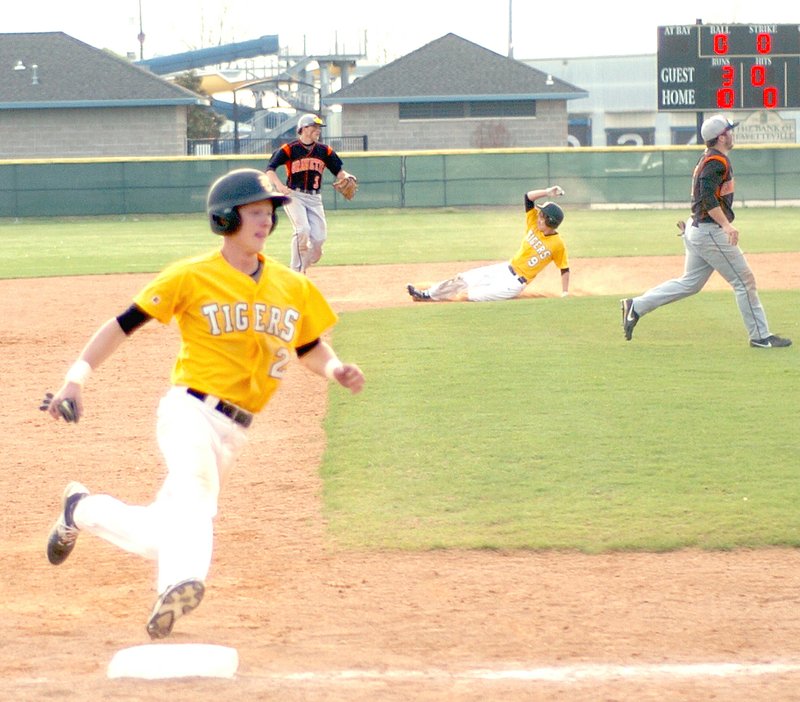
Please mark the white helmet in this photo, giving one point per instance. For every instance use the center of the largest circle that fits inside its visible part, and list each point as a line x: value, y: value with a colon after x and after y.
x: 307, y: 121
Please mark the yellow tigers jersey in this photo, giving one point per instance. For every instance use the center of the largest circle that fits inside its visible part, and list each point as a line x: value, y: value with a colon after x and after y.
x: 537, y: 249
x: 237, y: 335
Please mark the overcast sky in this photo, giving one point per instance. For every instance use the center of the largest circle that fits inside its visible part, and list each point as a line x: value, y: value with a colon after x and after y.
x: 383, y: 29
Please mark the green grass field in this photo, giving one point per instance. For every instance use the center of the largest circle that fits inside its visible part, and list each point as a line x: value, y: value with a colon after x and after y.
x: 545, y: 429
x: 43, y: 248
x: 532, y: 423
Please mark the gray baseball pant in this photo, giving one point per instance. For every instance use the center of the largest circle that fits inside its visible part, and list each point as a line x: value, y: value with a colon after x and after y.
x: 708, y: 250
x: 307, y: 215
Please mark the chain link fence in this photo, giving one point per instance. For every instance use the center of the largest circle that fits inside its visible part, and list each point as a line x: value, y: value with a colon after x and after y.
x: 614, y: 177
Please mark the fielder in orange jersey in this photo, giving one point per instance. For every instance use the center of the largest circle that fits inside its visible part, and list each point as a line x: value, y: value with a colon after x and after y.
x: 711, y: 243
x: 305, y: 160
x: 541, y: 246
x: 242, y: 317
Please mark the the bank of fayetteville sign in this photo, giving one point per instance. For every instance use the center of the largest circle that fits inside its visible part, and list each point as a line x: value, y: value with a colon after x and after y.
x: 766, y: 127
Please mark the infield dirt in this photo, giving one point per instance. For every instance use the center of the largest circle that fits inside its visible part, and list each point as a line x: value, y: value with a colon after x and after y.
x: 311, y: 621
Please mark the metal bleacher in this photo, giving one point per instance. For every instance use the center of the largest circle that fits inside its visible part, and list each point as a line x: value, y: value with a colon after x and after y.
x: 295, y: 84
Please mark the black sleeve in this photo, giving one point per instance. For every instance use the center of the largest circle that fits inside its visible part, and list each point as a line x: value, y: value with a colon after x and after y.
x: 305, y: 348
x: 132, y: 318
x: 278, y: 159
x: 333, y: 162
x: 711, y: 177
x: 529, y: 204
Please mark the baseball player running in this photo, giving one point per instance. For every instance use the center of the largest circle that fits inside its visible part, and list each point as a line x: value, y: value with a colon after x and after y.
x: 241, y: 317
x: 540, y: 246
x: 305, y: 159
x: 711, y: 242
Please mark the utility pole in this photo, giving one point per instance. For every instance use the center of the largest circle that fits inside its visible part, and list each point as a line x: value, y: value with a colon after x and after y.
x: 510, y: 41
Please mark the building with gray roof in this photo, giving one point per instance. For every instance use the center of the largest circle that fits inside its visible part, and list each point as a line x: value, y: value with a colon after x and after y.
x: 451, y: 94
x: 60, y: 97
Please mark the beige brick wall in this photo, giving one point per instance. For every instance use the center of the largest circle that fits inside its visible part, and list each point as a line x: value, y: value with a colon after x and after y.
x: 98, y: 132
x: 386, y: 132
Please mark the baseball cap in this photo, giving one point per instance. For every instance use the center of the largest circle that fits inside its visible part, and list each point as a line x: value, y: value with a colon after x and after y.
x: 307, y: 121
x: 553, y: 214
x: 714, y: 126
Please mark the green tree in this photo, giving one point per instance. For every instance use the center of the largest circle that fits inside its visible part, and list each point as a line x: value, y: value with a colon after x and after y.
x: 202, y: 122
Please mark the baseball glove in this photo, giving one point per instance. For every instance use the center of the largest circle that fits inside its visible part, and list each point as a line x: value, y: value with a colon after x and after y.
x: 67, y: 408
x: 346, y: 186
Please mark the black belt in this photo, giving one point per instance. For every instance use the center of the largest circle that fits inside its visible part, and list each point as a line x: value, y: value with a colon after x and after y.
x: 231, y: 411
x: 307, y: 192
x: 521, y: 278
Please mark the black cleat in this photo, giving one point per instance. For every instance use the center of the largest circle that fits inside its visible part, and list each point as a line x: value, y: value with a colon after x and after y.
x: 629, y: 317
x: 173, y: 603
x: 770, y: 342
x: 64, y: 533
x: 418, y: 295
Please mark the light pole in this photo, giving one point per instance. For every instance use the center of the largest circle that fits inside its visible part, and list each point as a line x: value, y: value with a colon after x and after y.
x: 141, y: 34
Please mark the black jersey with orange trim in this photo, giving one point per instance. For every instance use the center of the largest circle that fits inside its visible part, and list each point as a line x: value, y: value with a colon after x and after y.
x: 712, y: 186
x: 305, y: 164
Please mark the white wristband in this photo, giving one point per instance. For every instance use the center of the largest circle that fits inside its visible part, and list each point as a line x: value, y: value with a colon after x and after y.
x: 331, y: 366
x: 78, y: 372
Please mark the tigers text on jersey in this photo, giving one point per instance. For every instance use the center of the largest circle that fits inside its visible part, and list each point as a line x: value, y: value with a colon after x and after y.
x: 538, y: 249
x: 237, y: 334
x: 305, y: 164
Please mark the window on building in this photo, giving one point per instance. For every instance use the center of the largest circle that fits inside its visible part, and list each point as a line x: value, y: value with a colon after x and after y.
x: 468, y: 109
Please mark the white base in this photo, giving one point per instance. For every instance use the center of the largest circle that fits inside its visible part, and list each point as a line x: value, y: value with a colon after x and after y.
x: 159, y: 661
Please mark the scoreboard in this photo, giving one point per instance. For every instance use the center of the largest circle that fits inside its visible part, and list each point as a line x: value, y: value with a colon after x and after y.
x: 713, y: 67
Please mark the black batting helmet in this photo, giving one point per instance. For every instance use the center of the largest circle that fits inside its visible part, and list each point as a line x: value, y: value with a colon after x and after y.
x: 552, y: 213
x: 239, y: 187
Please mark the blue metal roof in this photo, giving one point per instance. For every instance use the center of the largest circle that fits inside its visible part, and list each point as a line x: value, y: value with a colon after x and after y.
x: 212, y: 56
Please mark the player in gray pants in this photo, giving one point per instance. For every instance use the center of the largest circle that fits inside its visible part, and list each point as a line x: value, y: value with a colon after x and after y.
x: 711, y: 243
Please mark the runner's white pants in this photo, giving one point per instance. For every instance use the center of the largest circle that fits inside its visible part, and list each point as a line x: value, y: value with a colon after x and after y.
x: 484, y: 284
x: 199, y: 446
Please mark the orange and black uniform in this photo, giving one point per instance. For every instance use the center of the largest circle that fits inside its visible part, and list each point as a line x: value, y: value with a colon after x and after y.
x: 712, y: 186
x: 305, y: 164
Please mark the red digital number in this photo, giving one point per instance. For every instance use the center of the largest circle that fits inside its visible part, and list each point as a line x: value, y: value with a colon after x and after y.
x: 764, y: 43
x: 726, y: 98
x: 770, y: 97
x: 726, y: 95
x: 728, y: 76
x: 720, y: 43
x: 758, y: 79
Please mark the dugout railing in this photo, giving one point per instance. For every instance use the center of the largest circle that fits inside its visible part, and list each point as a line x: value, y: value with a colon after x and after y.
x: 592, y: 177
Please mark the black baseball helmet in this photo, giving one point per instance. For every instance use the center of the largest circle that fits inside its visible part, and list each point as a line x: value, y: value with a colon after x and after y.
x: 239, y: 187
x: 553, y: 214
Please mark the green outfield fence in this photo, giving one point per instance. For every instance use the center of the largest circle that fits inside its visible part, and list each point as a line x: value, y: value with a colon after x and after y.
x: 613, y: 176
